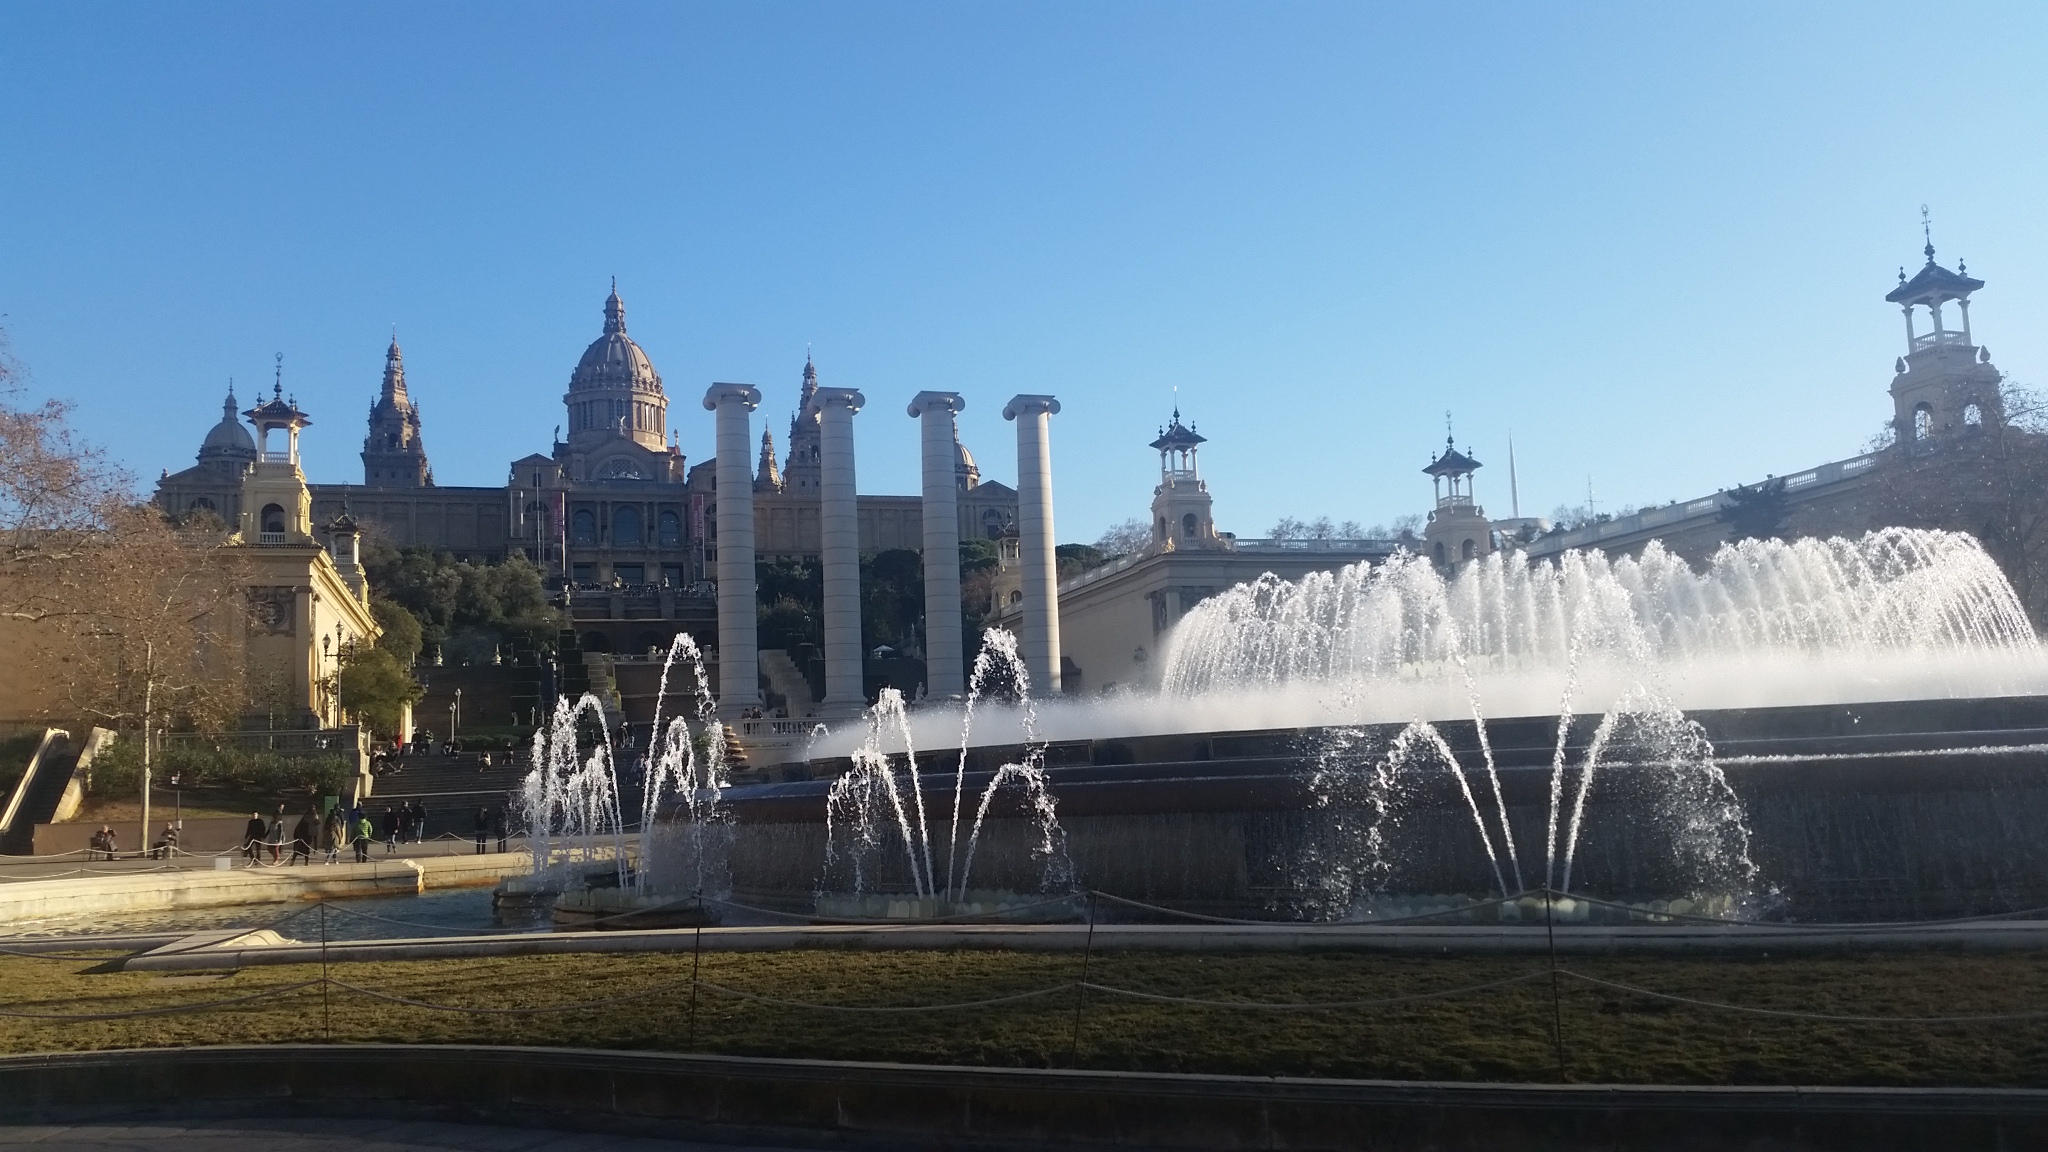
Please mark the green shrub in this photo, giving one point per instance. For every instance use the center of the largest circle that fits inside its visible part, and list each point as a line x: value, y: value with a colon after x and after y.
x: 198, y: 764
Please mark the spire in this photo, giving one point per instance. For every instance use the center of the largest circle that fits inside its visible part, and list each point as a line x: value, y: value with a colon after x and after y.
x: 229, y: 407
x: 769, y: 477
x: 394, y: 375
x: 614, y: 311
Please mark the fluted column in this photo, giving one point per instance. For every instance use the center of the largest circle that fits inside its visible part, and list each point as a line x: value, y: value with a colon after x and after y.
x: 1040, y: 642
x: 739, y: 660
x: 944, y: 672
x: 839, y: 548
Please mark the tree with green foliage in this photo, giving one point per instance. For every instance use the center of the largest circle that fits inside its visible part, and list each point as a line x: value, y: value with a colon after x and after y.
x: 476, y: 606
x: 375, y: 687
x: 401, y: 634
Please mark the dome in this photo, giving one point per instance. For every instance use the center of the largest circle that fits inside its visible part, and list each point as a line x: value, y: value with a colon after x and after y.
x: 613, y: 360
x: 230, y: 438
x: 965, y: 474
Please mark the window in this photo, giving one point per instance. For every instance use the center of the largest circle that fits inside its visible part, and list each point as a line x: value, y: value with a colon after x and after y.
x: 581, y: 573
x: 671, y: 530
x: 630, y: 573
x: 273, y: 521
x: 626, y: 528
x: 1471, y: 549
x: 1187, y: 526
x: 1437, y: 550
x: 672, y: 575
x: 1162, y: 528
x: 1973, y: 416
x: 1923, y: 421
x: 537, y: 520
x: 585, y: 523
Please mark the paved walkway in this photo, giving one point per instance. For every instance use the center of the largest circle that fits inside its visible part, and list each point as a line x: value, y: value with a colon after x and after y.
x: 324, y: 1135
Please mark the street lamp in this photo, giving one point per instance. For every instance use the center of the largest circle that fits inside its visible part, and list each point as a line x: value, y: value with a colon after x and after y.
x: 454, y: 714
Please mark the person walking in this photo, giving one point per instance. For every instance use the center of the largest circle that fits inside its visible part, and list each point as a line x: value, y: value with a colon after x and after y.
x: 275, y: 837
x: 483, y: 829
x: 302, y: 838
x: 498, y: 826
x: 333, y: 831
x: 390, y: 829
x: 252, y: 839
x: 363, y: 832
x: 419, y: 821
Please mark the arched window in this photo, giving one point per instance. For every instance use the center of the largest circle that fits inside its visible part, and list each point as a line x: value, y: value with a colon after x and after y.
x: 1016, y: 597
x: 1973, y: 415
x: 584, y: 526
x: 671, y: 530
x: 273, y: 520
x: 626, y: 528
x: 1187, y: 526
x: 1923, y: 421
x: 1470, y: 549
x: 1438, y: 550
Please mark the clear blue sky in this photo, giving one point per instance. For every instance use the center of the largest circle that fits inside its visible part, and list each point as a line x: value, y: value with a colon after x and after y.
x: 1652, y: 240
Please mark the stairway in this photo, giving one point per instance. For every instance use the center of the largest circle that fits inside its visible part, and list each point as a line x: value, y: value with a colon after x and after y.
x: 786, y: 680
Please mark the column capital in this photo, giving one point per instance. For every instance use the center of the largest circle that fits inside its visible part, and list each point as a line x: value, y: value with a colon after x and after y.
x: 935, y: 401
x: 1030, y: 404
x: 746, y: 394
x: 850, y: 398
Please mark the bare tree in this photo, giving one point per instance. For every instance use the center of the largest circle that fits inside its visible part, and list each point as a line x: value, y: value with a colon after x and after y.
x: 1989, y: 480
x: 1124, y: 539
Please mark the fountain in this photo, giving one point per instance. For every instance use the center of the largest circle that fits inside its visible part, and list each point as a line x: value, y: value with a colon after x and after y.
x: 1821, y: 728
x: 869, y: 822
x: 573, y: 809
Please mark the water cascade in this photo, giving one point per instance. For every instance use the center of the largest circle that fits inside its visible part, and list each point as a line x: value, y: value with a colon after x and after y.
x: 881, y: 835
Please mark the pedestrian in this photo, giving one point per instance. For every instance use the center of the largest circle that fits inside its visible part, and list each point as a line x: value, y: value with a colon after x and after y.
x: 252, y: 839
x: 419, y: 821
x: 275, y: 837
x: 302, y: 838
x: 483, y: 829
x: 404, y: 820
x: 363, y: 832
x: 498, y: 826
x: 333, y: 831
x: 390, y: 829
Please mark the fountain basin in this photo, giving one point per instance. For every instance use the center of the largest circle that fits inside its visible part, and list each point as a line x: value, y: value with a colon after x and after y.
x: 981, y: 904
x: 622, y: 909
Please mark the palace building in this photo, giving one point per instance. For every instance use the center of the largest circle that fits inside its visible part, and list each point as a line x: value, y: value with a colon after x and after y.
x: 613, y: 513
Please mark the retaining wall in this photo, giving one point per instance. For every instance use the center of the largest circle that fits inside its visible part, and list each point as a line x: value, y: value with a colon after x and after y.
x: 849, y: 1105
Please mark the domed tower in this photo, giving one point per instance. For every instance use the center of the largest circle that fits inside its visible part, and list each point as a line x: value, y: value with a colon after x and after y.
x: 1181, y: 511
x: 228, y: 447
x: 394, y: 456
x: 615, y: 393
x: 966, y: 474
x: 1944, y: 385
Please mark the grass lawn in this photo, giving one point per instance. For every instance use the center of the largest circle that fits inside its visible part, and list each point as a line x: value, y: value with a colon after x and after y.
x: 1502, y: 1034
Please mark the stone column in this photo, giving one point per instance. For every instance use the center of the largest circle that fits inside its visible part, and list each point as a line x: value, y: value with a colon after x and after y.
x: 944, y: 671
x: 1040, y: 642
x: 739, y: 662
x: 839, y: 549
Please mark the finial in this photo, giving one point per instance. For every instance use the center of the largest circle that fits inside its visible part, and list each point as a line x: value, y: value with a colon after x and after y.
x: 1176, y: 403
x: 277, y: 388
x: 1447, y: 429
x: 1902, y: 274
x: 1962, y: 267
x: 1927, y: 231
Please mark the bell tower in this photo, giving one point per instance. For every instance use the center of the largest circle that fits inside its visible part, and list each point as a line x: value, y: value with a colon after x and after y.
x: 1181, y: 513
x: 1458, y: 529
x: 276, y: 506
x: 1944, y: 386
x: 393, y: 454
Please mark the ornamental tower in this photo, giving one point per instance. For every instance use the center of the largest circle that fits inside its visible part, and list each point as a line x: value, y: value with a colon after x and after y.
x: 615, y: 394
x: 800, y: 468
x: 394, y: 456
x: 1944, y: 385
x: 1458, y: 529
x: 1181, y: 515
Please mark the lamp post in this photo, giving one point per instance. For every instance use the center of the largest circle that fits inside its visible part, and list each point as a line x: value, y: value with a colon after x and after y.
x: 326, y: 693
x: 454, y: 715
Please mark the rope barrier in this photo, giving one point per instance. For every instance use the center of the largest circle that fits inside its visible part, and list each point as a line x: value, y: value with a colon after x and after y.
x: 263, y: 995
x: 1789, y: 1014
x: 963, y: 918
x: 1314, y: 1006
x: 1207, y: 919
